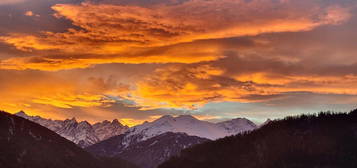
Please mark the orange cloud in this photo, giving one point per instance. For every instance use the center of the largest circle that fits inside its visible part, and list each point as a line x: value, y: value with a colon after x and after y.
x: 69, y: 101
x: 132, y: 122
x: 27, y: 90
x: 119, y: 34
x: 49, y: 63
x: 30, y: 13
x: 192, y: 86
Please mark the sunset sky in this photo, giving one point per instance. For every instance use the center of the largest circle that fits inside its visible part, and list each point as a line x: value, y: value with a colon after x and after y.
x: 136, y: 60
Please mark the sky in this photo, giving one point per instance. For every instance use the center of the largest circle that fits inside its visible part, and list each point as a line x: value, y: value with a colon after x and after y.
x: 137, y: 60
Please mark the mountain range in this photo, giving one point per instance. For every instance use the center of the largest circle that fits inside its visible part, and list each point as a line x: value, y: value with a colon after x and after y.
x: 326, y: 140
x: 82, y: 133
x: 147, y: 145
x: 189, y: 125
x: 152, y: 143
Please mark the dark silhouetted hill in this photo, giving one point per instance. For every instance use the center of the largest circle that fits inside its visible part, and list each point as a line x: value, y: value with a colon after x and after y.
x: 325, y: 140
x: 149, y: 153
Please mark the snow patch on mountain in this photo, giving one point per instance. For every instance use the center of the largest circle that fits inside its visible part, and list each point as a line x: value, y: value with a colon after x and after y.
x: 237, y: 125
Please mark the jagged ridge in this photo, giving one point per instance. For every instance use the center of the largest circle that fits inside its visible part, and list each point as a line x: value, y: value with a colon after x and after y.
x: 81, y: 133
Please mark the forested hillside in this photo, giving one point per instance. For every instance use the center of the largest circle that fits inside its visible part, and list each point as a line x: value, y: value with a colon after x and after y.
x: 325, y: 140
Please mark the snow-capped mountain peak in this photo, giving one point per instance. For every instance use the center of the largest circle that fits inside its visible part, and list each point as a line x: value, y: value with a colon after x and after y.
x: 84, y: 133
x: 84, y: 124
x: 21, y: 114
x: 186, y: 117
x: 266, y: 122
x: 186, y: 124
x: 116, y: 122
x: 164, y: 118
x: 72, y: 121
x: 107, y: 129
x: 237, y: 125
x: 81, y: 133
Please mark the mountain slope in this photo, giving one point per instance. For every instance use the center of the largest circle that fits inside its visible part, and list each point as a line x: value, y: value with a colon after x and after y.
x: 323, y: 141
x: 81, y: 133
x: 26, y: 144
x: 107, y: 148
x: 149, y: 153
x: 154, y: 151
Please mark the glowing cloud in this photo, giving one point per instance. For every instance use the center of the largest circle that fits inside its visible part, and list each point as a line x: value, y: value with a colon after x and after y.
x: 192, y: 86
x: 128, y: 59
x: 118, y: 30
x: 30, y: 13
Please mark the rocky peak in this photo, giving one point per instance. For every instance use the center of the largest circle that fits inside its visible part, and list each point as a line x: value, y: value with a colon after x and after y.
x: 70, y: 123
x: 84, y: 124
x: 266, y: 122
x: 81, y: 133
x: 105, y: 122
x: 237, y: 125
x: 21, y: 114
x: 73, y: 119
x: 116, y: 122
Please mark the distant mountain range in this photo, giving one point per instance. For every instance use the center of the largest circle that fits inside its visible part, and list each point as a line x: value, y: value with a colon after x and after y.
x: 321, y: 141
x: 81, y: 133
x: 151, y: 143
x: 147, y: 145
x: 189, y: 125
x: 84, y: 134
x: 317, y: 141
x: 25, y: 144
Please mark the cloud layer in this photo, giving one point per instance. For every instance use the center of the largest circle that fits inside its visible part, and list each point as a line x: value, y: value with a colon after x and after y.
x: 137, y: 60
x: 107, y: 33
